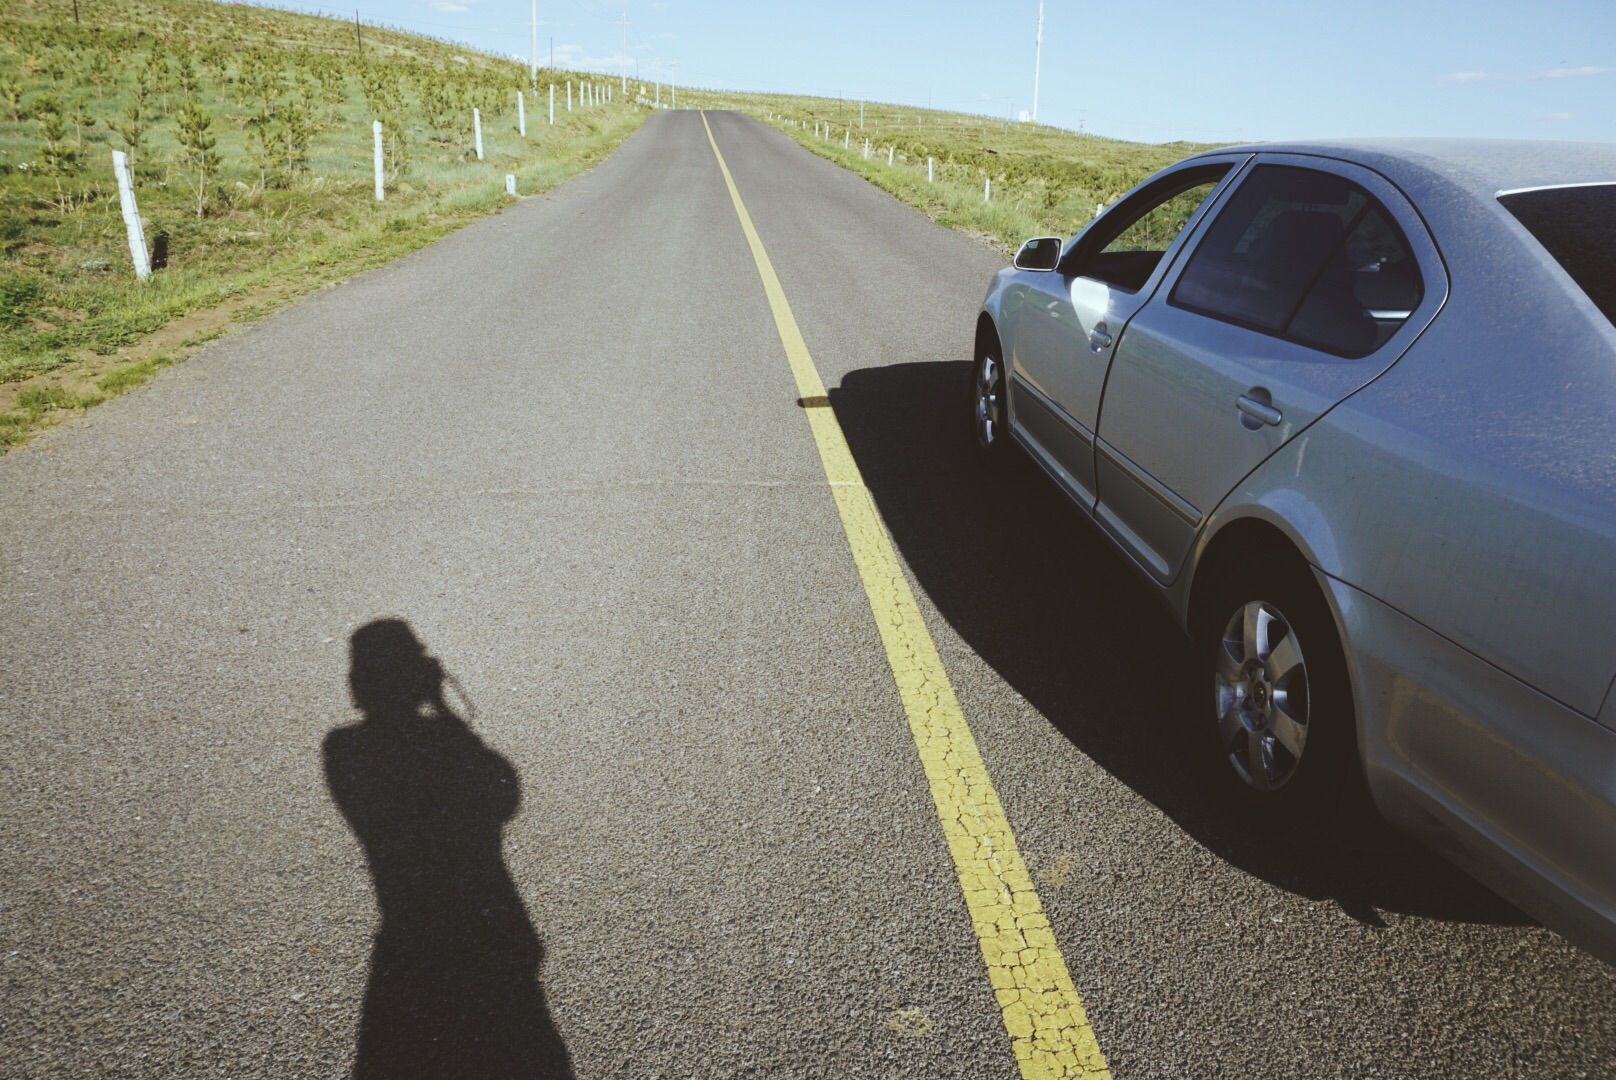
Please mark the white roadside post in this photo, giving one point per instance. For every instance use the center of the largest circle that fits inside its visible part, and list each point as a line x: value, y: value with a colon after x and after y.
x: 510, y: 184
x: 376, y: 139
x: 552, y: 104
x: 674, y: 90
x: 521, y: 115
x: 889, y: 157
x: 846, y: 135
x: 1098, y: 207
x: 569, y: 95
x: 477, y: 131
x: 928, y: 170
x: 866, y: 149
x: 987, y: 189
x: 131, y: 216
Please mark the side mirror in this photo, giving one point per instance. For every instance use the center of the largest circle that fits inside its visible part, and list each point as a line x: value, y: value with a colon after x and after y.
x: 1041, y: 254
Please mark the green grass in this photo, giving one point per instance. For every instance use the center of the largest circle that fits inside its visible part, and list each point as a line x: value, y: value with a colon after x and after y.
x: 1045, y: 181
x: 288, y: 204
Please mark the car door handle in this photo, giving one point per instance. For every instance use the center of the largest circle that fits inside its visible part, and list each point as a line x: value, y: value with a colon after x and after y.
x: 1099, y: 338
x: 1258, y: 410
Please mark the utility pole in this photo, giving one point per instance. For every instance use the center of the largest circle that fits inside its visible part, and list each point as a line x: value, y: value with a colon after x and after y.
x: 623, y: 67
x: 357, y: 35
x: 1037, y: 60
x: 533, y: 48
x: 552, y: 52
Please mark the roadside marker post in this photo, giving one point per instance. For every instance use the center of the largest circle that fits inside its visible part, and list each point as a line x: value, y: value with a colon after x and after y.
x: 928, y: 170
x: 866, y: 149
x: 889, y: 157
x: 477, y: 130
x: 846, y: 135
x: 569, y: 95
x: 521, y: 115
x: 376, y: 139
x: 131, y: 212
x: 510, y: 184
x: 987, y: 189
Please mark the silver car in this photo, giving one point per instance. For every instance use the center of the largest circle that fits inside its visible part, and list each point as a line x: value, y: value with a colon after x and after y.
x: 1350, y: 409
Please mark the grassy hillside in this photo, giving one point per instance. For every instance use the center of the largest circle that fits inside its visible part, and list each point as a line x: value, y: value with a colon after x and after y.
x: 250, y: 134
x: 1044, y: 181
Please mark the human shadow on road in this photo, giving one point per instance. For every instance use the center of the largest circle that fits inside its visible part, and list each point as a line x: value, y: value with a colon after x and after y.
x: 454, y: 974
x: 1032, y: 587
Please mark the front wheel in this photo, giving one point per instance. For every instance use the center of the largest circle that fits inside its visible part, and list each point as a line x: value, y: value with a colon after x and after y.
x: 1281, y: 721
x: 990, y: 411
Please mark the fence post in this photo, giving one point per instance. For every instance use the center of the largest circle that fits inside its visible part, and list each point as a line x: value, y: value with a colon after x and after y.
x: 131, y: 214
x: 376, y: 138
x: 552, y: 104
x: 521, y: 115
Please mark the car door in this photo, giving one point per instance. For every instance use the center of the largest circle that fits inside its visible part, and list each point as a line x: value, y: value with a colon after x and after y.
x: 1311, y: 277
x: 1062, y: 325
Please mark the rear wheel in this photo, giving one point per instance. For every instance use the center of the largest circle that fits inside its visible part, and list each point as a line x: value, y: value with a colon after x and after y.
x: 990, y: 407
x: 1281, y: 721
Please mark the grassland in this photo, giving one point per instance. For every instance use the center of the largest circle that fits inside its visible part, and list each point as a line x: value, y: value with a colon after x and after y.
x: 250, y: 134
x: 1045, y: 181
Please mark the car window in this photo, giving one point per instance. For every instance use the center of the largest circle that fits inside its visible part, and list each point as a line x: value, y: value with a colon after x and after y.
x: 1308, y: 256
x: 1577, y: 225
x: 1130, y: 241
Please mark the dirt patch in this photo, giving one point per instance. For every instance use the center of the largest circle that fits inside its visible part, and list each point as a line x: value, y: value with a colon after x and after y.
x: 85, y: 376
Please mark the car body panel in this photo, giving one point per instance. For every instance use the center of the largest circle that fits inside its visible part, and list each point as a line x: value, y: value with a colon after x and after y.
x: 1170, y: 423
x: 1515, y: 787
x: 1047, y: 322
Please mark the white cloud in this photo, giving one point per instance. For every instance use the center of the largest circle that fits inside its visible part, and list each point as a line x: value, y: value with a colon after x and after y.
x: 449, y: 7
x: 1583, y: 71
x: 1557, y: 117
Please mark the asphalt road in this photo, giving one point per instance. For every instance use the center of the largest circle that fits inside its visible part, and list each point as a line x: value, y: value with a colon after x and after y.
x: 561, y: 451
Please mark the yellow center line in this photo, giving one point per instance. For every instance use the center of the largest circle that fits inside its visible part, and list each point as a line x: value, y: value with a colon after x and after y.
x: 1049, y: 1031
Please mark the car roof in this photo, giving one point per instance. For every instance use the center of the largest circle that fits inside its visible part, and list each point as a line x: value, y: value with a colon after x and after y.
x: 1481, y: 167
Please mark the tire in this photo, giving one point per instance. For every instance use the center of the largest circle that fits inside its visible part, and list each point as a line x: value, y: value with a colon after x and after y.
x: 1281, y: 726
x: 990, y: 408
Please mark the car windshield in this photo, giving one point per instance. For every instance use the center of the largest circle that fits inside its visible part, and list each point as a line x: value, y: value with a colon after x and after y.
x: 1577, y: 225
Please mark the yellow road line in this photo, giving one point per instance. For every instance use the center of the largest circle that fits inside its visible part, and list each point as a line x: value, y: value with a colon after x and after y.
x: 1048, y: 1029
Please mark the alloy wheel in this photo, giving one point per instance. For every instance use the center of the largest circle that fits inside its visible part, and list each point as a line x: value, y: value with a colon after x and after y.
x: 1261, y: 696
x: 989, y: 395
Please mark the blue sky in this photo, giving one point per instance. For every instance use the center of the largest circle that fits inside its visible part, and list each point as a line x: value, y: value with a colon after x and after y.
x: 1153, y: 71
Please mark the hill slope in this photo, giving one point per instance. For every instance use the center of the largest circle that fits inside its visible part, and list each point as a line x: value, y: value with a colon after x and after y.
x: 250, y: 134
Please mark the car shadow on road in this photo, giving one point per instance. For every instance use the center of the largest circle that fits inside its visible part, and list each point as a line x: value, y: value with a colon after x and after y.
x: 1030, y: 585
x: 454, y: 973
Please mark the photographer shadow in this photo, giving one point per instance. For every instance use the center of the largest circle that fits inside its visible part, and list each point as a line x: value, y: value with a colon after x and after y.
x: 454, y: 975
x: 1045, y: 600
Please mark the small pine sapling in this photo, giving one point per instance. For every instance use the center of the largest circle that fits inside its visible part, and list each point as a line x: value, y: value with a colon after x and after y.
x: 197, y: 143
